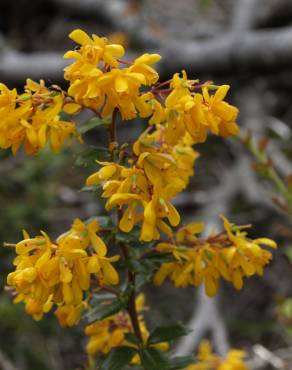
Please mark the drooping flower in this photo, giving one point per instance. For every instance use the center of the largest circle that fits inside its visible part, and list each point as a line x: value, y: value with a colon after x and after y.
x: 207, y: 360
x: 97, y: 82
x: 197, y: 112
x: 59, y: 273
x: 230, y: 255
x: 33, y: 118
x: 110, y: 332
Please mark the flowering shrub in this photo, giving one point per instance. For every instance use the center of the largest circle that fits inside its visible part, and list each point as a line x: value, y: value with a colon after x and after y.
x: 77, y: 275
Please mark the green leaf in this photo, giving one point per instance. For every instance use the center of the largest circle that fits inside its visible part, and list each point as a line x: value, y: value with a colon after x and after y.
x: 159, y: 258
x: 105, y: 310
x: 105, y: 222
x: 288, y: 252
x: 97, y: 189
x: 91, y: 124
x: 286, y: 308
x: 131, y: 337
x: 152, y: 359
x: 177, y: 363
x: 89, y: 156
x: 142, y: 279
x: 145, y: 266
x: 118, y: 358
x: 167, y: 333
x: 101, y: 297
x: 132, y: 236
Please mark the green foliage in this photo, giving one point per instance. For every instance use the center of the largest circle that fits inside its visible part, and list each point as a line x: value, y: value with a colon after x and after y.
x: 91, y: 124
x: 205, y: 5
x: 288, y: 252
x: 29, y: 197
x: 181, y: 362
x: 286, y: 309
x: 152, y: 359
x: 105, y: 309
x: 118, y: 358
x: 167, y: 333
x: 130, y: 337
x: 90, y: 155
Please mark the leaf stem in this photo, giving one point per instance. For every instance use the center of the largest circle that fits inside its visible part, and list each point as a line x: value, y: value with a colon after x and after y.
x: 9, y: 245
x: 112, y: 127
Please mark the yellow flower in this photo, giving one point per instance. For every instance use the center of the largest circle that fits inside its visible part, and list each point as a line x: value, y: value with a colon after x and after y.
x: 94, y: 49
x: 110, y: 332
x: 83, y: 74
x: 166, y: 166
x: 145, y: 188
x: 33, y: 118
x: 143, y: 197
x: 229, y: 255
x: 97, y: 82
x: 69, y: 315
x: 208, y: 360
x: 142, y: 65
x: 59, y: 273
x: 197, y: 113
x: 220, y: 115
x: 154, y: 213
x: 233, y: 361
x: 121, y: 86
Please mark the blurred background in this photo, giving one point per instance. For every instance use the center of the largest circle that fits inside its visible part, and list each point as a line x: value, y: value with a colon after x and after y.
x: 244, y: 43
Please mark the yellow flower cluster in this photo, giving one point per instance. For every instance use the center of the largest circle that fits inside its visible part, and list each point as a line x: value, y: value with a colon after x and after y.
x: 184, y: 110
x: 198, y: 112
x: 101, y: 81
x: 230, y: 255
x: 33, y: 117
x: 110, y: 332
x: 156, y: 173
x: 163, y: 158
x: 207, y: 360
x: 97, y: 82
x: 59, y: 273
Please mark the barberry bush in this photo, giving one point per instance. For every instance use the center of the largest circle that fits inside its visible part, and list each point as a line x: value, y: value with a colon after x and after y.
x: 95, y: 271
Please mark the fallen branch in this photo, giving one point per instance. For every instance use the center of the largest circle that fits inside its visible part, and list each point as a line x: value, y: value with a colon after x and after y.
x: 16, y: 66
x: 5, y: 363
x: 264, y: 50
x: 253, y: 50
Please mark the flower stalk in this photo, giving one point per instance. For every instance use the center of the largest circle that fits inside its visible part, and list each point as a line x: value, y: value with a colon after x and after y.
x: 131, y: 306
